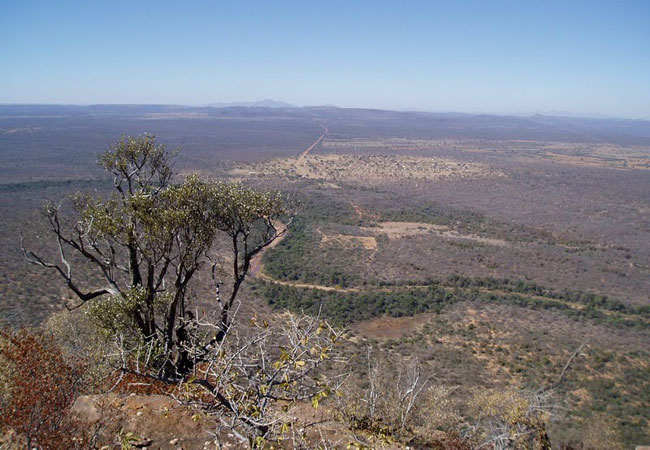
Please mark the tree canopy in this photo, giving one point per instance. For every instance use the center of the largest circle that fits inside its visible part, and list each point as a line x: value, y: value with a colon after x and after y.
x: 149, y: 239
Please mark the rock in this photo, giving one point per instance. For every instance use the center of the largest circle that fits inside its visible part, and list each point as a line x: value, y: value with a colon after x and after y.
x: 142, y: 443
x: 141, y: 415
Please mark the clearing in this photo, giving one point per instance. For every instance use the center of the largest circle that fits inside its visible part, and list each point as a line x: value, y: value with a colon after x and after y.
x: 372, y: 169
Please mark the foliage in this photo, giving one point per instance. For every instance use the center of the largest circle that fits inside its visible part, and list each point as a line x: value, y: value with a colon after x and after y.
x: 590, y: 299
x: 150, y: 238
x: 511, y: 419
x: 344, y: 308
x: 257, y: 374
x: 293, y: 260
x: 42, y: 385
x: 395, y: 401
x: 407, y: 299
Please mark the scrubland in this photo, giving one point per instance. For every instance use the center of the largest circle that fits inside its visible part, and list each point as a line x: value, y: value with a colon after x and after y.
x: 486, y: 254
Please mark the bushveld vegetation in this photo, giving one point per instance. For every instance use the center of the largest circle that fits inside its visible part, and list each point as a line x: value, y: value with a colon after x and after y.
x: 481, y: 301
x: 354, y: 294
x: 39, y: 385
x: 348, y: 307
x: 147, y: 241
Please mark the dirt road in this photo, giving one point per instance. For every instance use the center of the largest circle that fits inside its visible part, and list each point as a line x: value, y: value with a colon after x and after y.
x: 301, y: 166
x: 257, y: 267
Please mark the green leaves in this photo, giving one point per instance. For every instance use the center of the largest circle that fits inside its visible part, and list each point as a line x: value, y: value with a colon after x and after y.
x: 138, y: 163
x: 315, y: 400
x: 151, y: 237
x: 237, y: 207
x: 116, y: 314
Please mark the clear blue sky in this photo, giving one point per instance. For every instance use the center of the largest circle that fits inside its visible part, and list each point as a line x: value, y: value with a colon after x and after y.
x: 581, y: 57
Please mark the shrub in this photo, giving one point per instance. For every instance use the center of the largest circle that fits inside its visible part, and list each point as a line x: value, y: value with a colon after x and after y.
x: 41, y: 385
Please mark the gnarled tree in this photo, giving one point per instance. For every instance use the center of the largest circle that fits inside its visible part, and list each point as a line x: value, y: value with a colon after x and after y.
x: 150, y: 238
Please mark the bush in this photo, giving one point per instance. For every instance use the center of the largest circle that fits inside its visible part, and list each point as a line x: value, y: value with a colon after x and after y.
x: 41, y: 385
x: 395, y: 402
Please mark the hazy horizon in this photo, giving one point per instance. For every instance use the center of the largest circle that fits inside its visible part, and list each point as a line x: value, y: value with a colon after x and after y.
x: 584, y: 59
x: 255, y: 103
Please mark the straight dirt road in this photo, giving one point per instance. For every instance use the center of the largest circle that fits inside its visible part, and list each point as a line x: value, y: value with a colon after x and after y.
x: 301, y: 165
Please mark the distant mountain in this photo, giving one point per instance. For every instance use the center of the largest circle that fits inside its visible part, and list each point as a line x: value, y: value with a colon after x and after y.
x: 266, y: 103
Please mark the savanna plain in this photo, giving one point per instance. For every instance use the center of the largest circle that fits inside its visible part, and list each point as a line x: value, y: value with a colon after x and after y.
x: 489, y: 260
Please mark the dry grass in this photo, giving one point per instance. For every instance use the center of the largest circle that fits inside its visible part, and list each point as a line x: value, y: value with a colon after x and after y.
x: 347, y: 241
x: 585, y: 154
x: 396, y: 230
x: 386, y: 327
x: 369, y: 169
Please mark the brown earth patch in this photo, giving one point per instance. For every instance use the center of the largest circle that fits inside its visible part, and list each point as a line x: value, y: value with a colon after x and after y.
x: 348, y: 241
x: 396, y: 230
x: 156, y: 420
x: 383, y: 328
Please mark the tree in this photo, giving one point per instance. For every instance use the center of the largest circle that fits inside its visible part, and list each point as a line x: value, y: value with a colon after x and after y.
x: 149, y: 239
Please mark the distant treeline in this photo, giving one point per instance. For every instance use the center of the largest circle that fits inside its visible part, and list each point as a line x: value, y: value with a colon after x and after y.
x: 49, y: 184
x: 589, y: 299
x: 346, y: 307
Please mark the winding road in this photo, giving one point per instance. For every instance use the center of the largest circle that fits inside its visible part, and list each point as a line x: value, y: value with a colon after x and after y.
x: 257, y: 266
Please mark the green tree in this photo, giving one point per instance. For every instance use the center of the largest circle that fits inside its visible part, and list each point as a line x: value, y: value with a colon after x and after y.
x: 149, y: 239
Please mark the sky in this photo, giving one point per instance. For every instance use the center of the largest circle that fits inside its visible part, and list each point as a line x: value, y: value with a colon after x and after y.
x: 507, y: 57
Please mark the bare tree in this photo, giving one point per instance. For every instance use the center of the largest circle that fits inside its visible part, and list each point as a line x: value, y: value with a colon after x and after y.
x: 391, y: 403
x: 256, y: 375
x: 510, y: 418
x: 254, y: 372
